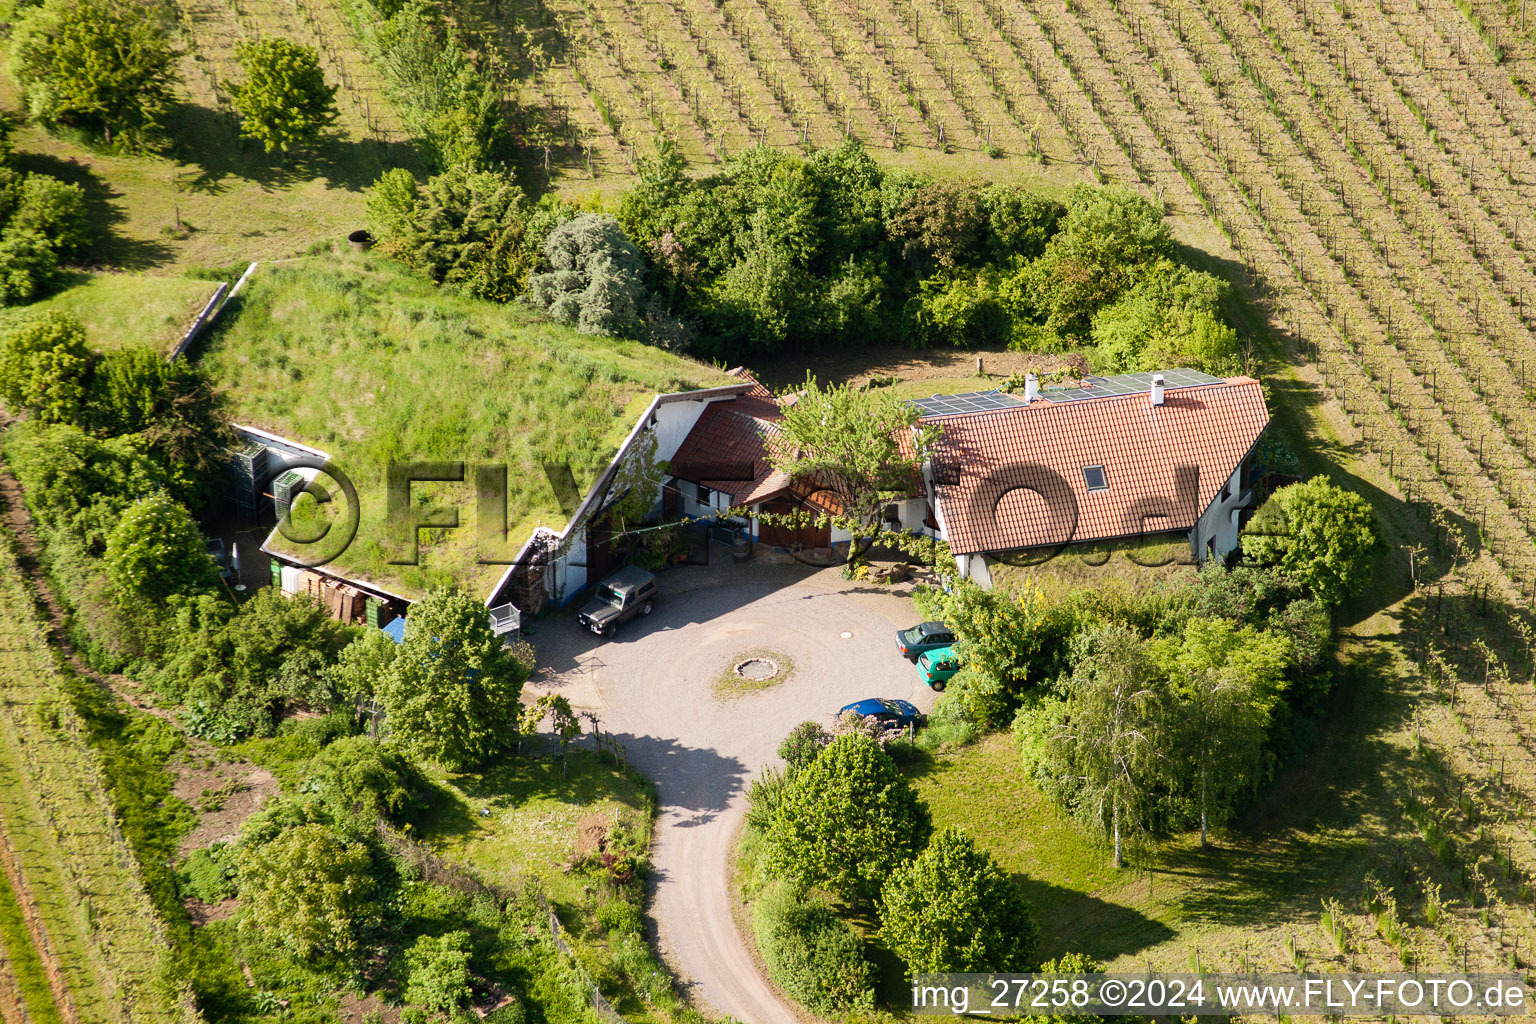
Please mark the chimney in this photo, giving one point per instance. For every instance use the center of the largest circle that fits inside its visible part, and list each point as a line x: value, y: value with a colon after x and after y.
x: 1031, y: 388
x: 1157, y: 389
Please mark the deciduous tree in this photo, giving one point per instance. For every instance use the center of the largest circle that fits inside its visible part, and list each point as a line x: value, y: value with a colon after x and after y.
x: 156, y: 550
x: 1318, y: 534
x: 107, y: 65
x: 284, y: 102
x: 451, y: 694
x: 1226, y: 681
x: 311, y: 888
x: 858, y: 449
x: 1115, y: 736
x: 437, y: 972
x: 847, y: 821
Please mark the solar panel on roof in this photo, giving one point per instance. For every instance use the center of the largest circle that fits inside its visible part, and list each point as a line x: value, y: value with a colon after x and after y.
x: 971, y: 401
x: 1128, y: 384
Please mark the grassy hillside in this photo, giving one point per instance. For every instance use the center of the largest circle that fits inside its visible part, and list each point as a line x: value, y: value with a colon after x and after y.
x: 354, y: 357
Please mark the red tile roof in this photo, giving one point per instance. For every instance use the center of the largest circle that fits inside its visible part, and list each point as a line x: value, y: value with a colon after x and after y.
x: 724, y: 450
x: 1013, y: 478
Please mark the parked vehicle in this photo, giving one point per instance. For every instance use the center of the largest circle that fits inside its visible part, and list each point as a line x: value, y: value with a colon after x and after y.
x: 923, y: 637
x: 893, y: 714
x: 629, y: 592
x: 936, y: 667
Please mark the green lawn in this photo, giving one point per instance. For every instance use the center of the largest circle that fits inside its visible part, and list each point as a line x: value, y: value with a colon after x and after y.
x: 353, y: 356
x: 523, y: 818
x: 120, y: 309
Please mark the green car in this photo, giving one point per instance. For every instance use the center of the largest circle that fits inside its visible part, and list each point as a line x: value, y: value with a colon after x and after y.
x: 937, y: 666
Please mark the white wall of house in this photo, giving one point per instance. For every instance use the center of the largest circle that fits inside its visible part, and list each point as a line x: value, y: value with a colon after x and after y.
x: 1216, y: 531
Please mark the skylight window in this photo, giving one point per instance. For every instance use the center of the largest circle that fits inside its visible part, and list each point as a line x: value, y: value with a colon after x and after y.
x: 1094, y: 477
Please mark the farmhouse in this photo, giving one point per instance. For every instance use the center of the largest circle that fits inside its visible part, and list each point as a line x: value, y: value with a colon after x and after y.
x: 1169, y: 453
x: 1115, y: 458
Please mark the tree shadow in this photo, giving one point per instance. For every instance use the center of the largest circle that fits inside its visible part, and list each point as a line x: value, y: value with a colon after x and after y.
x: 1078, y: 922
x: 209, y: 142
x: 111, y: 248
x: 1321, y: 823
x: 694, y: 785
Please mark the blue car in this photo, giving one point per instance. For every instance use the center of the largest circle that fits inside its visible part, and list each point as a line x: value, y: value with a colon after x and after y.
x: 893, y: 714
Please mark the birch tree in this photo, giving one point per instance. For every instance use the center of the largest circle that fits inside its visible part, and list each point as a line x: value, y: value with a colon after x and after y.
x: 1115, y: 733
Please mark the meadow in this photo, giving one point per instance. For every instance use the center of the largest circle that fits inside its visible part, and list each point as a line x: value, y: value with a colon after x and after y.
x: 355, y: 357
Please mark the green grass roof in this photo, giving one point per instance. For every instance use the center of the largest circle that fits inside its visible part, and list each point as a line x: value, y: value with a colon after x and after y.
x: 121, y: 309
x: 353, y: 356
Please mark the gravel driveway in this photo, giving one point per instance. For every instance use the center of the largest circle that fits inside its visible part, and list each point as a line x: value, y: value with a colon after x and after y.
x: 653, y: 688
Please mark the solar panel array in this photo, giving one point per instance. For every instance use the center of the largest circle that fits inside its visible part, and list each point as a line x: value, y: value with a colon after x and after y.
x: 1127, y: 384
x: 972, y: 401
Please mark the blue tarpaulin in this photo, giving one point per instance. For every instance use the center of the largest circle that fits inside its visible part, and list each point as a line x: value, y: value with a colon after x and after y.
x: 396, y: 629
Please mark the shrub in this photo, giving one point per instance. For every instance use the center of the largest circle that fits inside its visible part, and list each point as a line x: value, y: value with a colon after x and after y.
x: 156, y: 551
x: 55, y: 210
x: 211, y: 873
x: 284, y: 102
x: 620, y: 916
x: 28, y: 266
x: 76, y: 484
x: 437, y: 971
x: 803, y: 743
x: 107, y: 65
x: 44, y: 364
x: 952, y: 909
x: 815, y: 956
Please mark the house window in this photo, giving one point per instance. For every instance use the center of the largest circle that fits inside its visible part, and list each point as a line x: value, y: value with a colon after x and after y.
x: 706, y: 496
x: 1094, y: 477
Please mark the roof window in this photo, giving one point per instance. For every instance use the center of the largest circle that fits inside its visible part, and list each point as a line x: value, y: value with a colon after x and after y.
x: 1094, y: 477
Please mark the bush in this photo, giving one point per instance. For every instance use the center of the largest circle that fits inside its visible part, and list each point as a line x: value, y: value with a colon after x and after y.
x: 44, y: 365
x: 237, y: 670
x: 952, y: 909
x: 156, y: 551
x: 816, y: 957
x: 76, y: 484
x: 803, y: 743
x: 56, y: 211
x: 621, y: 917
x: 211, y: 873
x: 437, y: 969
x: 106, y: 65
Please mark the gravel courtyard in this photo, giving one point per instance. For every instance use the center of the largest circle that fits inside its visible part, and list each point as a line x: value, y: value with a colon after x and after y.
x: 654, y: 687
